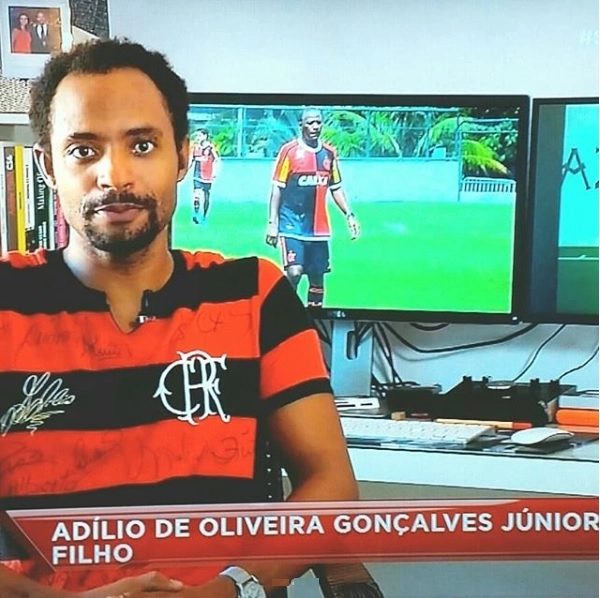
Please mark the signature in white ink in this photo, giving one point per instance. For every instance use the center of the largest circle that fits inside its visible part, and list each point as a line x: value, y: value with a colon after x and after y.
x: 42, y: 397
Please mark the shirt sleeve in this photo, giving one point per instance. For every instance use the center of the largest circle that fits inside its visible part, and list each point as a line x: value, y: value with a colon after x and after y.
x: 335, y: 179
x: 291, y: 361
x: 282, y: 167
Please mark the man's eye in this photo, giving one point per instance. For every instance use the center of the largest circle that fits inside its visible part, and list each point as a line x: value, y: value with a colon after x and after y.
x: 143, y: 147
x: 82, y: 152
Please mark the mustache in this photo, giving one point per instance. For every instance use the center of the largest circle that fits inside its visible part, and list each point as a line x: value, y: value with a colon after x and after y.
x: 91, y: 205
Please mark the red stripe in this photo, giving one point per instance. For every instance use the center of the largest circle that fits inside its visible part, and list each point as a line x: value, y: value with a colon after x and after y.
x: 92, y: 341
x: 321, y: 221
x: 58, y: 461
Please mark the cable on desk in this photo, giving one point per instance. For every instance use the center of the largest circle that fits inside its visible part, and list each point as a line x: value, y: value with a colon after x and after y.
x: 536, y: 353
x: 386, y: 349
x: 362, y: 330
x: 429, y: 328
x: 580, y: 366
x: 476, y: 345
x: 322, y: 332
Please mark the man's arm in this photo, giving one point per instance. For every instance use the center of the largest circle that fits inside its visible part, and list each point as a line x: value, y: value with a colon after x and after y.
x: 273, y: 224
x: 309, y: 436
x: 339, y: 197
x: 14, y: 585
x: 216, y: 162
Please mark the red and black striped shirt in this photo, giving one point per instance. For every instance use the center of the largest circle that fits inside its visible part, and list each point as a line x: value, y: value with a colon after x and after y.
x: 169, y: 413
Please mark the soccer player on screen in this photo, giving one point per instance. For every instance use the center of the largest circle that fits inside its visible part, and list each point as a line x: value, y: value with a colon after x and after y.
x: 206, y: 166
x: 306, y: 169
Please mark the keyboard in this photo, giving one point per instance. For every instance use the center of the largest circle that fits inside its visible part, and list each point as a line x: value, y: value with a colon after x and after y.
x: 411, y: 431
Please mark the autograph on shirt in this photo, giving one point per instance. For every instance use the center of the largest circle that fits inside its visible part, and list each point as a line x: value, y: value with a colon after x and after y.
x: 43, y: 398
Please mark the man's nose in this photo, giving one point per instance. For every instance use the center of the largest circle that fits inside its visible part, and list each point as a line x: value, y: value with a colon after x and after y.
x: 115, y: 171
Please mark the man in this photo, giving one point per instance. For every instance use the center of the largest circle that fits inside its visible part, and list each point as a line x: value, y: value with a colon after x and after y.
x: 40, y: 32
x: 206, y: 166
x: 135, y: 375
x: 305, y: 170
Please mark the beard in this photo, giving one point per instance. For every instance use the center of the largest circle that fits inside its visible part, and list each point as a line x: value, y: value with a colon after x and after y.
x: 127, y: 240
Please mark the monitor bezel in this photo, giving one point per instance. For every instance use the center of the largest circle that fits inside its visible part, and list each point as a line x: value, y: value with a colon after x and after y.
x: 530, y: 315
x: 522, y: 102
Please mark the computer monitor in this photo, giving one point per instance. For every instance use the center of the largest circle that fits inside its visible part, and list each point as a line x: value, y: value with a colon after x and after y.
x: 434, y: 182
x: 563, y: 270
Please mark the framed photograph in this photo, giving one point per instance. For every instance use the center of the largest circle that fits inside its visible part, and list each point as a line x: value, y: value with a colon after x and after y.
x: 31, y: 30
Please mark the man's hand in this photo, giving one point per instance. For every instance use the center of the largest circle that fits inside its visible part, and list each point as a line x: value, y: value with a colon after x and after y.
x: 272, y: 236
x: 353, y: 226
x: 140, y: 585
x: 220, y: 587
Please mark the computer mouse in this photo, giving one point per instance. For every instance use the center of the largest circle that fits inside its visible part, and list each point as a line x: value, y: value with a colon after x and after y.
x: 540, y: 435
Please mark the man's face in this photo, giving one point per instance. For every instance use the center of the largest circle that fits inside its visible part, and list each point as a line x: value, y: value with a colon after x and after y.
x: 311, y: 126
x: 114, y: 159
x: 202, y: 137
x: 40, y: 18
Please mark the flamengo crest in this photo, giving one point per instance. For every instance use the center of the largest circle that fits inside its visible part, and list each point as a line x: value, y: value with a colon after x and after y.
x: 200, y: 386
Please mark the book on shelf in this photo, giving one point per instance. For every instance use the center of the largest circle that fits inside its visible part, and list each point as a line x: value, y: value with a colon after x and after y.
x: 20, y: 199
x: 30, y: 217
x: 9, y: 225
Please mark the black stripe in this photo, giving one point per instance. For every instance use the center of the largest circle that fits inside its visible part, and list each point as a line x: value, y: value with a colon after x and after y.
x: 232, y: 280
x: 304, y: 389
x: 47, y: 288
x: 282, y: 316
x: 52, y: 288
x: 121, y: 398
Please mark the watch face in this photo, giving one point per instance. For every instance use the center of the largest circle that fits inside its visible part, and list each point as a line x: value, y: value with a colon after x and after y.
x: 247, y: 585
x: 251, y: 589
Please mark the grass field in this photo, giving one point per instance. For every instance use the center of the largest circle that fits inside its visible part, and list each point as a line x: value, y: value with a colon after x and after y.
x: 423, y: 256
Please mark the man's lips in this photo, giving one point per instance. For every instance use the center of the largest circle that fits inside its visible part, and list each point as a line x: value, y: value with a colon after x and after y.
x: 118, y: 207
x: 118, y: 212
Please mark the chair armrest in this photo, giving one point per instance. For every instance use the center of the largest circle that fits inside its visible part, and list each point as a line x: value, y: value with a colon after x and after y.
x: 349, y: 580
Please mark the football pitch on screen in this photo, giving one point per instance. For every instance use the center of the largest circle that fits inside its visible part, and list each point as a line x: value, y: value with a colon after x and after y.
x: 417, y: 256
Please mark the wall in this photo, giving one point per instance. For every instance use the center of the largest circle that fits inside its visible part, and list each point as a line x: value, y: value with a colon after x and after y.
x: 542, y: 48
x: 538, y: 47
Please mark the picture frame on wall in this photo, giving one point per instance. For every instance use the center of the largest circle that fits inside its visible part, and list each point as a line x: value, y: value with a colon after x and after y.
x: 30, y: 31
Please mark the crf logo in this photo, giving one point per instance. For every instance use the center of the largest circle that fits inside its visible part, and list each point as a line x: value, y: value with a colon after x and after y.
x: 198, y: 371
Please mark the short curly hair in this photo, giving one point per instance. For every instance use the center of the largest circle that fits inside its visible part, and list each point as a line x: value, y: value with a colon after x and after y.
x: 102, y: 56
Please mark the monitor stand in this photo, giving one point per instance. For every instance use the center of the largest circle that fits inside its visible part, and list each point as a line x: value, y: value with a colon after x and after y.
x: 351, y: 360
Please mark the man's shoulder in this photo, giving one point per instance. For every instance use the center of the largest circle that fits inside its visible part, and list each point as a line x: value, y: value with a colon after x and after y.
x: 201, y: 259
x: 329, y: 148
x: 264, y: 272
x: 288, y: 146
x: 13, y: 262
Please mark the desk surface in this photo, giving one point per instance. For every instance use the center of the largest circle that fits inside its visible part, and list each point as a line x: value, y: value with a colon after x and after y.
x: 572, y: 471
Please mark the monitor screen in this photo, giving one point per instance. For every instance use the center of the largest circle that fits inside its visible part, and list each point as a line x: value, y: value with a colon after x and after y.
x: 563, y: 280
x: 383, y: 207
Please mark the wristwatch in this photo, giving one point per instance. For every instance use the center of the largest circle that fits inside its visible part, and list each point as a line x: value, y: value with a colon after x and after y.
x: 247, y: 586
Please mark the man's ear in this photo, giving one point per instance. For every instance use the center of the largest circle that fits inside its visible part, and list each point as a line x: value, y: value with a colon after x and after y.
x: 184, y: 159
x: 44, y: 163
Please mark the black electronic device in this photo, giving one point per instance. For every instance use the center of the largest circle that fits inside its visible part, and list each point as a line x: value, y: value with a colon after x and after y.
x: 416, y: 402
x: 531, y: 402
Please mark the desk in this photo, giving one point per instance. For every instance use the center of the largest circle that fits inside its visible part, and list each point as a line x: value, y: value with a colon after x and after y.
x: 573, y: 471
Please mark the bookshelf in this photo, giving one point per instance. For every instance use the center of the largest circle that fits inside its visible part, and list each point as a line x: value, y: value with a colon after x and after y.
x: 30, y: 217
